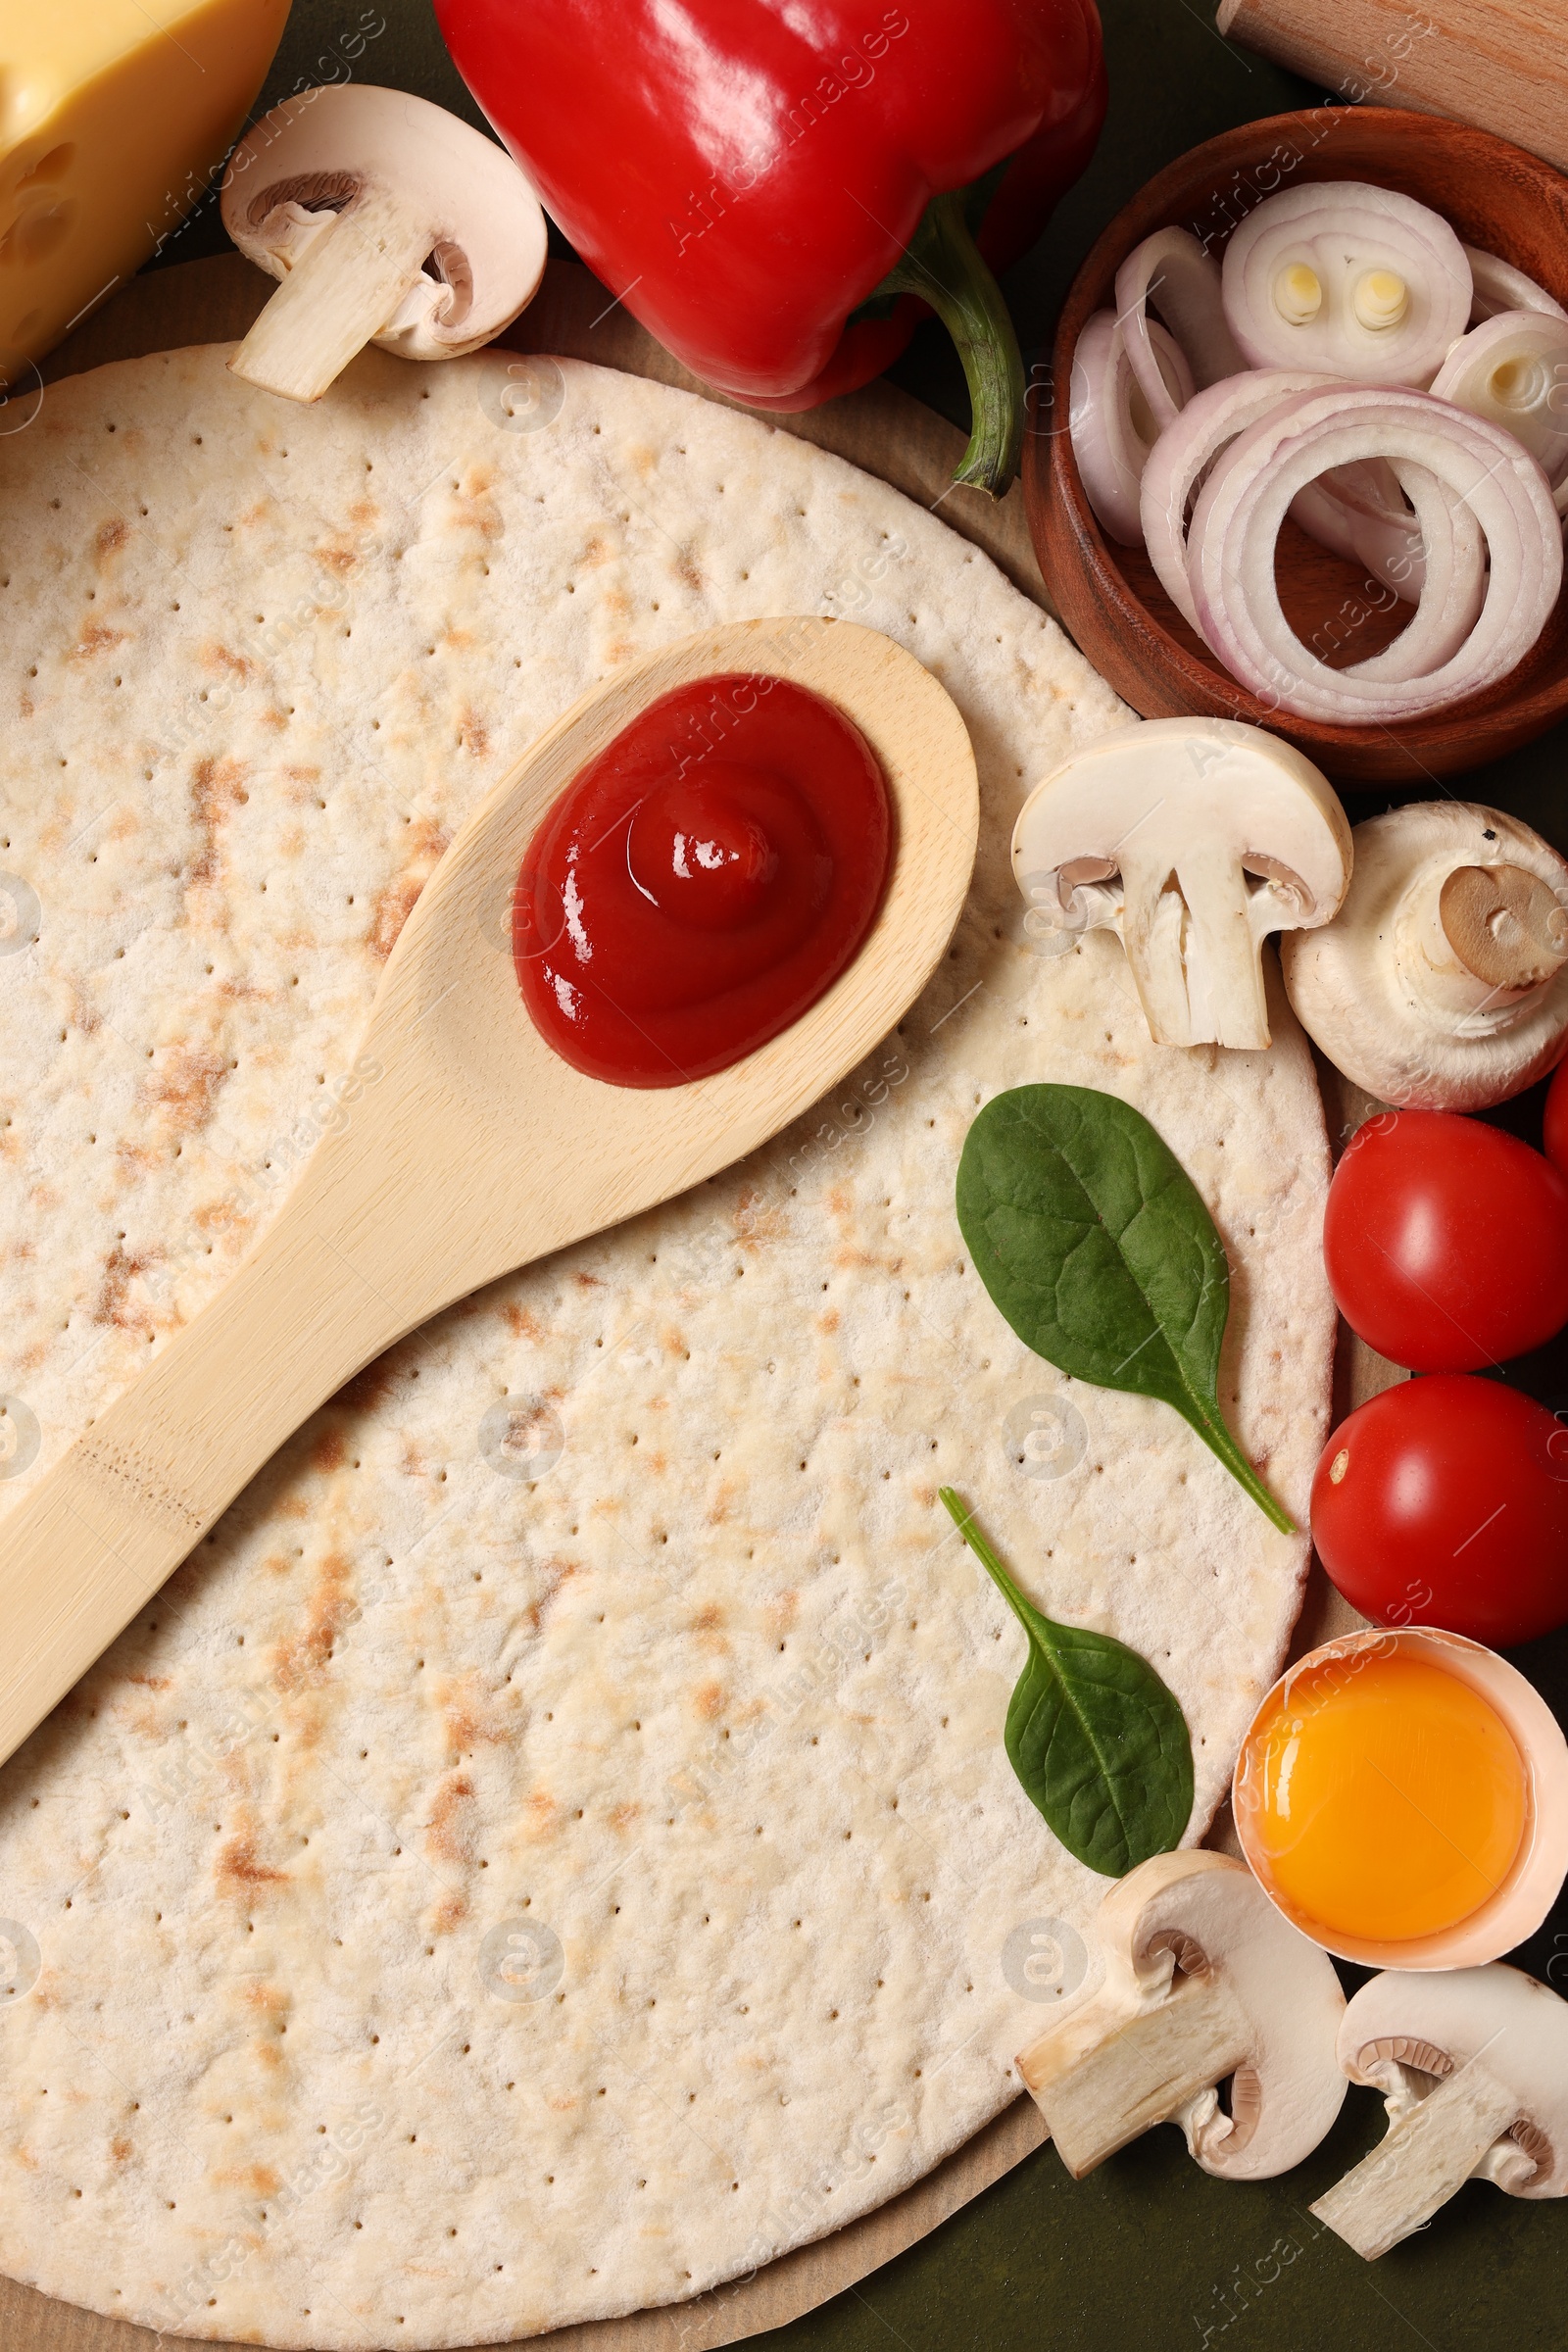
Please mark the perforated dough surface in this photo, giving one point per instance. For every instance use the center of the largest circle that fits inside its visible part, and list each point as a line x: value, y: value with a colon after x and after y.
x: 550, y: 1848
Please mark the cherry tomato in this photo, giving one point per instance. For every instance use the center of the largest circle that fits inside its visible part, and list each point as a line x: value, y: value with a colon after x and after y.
x: 1445, y: 1501
x: 1556, y: 1136
x: 1447, y: 1241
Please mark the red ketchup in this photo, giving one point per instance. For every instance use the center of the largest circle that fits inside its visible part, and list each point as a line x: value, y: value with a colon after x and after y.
x: 702, y: 882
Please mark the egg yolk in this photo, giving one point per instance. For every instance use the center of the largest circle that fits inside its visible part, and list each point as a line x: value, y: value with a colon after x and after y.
x: 1384, y: 1798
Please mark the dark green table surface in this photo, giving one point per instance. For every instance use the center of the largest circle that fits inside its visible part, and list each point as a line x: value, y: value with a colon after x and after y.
x: 1149, y: 2251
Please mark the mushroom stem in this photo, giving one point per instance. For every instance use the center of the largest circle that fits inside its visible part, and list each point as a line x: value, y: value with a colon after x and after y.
x: 1504, y: 927
x: 1428, y: 2154
x: 344, y: 290
x: 1102, y: 2077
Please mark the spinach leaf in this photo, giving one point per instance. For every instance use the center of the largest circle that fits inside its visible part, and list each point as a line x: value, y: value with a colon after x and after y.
x: 1098, y: 1741
x: 1095, y: 1242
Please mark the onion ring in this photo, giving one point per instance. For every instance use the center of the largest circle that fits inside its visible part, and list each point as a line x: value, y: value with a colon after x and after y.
x: 1513, y: 371
x: 1237, y: 522
x: 1185, y: 451
x: 1358, y: 511
x: 1498, y: 286
x: 1171, y: 271
x: 1358, y: 246
x: 1108, y: 421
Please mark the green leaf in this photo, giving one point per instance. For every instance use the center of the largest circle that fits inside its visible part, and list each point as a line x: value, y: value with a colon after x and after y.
x: 1095, y: 1242
x: 1095, y: 1737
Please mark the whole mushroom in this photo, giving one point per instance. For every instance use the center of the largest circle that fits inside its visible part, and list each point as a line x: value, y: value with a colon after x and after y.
x: 1192, y: 839
x: 1473, y: 2063
x: 1204, y: 1981
x: 388, y: 221
x: 1443, y: 982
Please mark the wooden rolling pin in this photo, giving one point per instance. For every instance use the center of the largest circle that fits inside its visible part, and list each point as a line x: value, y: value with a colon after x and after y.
x: 1501, y: 63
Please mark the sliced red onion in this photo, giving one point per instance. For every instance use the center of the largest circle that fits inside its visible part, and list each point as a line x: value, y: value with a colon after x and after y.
x: 1171, y: 271
x: 1358, y: 511
x: 1183, y: 454
x: 1513, y: 371
x: 1453, y: 580
x: 1500, y: 286
x: 1110, y: 423
x: 1483, y: 470
x: 1352, y: 280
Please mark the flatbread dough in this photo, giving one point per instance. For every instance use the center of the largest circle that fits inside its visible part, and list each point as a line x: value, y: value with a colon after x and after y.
x: 550, y: 1848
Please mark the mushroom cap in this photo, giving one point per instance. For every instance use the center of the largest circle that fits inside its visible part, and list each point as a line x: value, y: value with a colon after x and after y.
x: 1251, y: 831
x: 1208, y: 1912
x: 1436, y: 2020
x: 323, y: 151
x: 1367, y: 990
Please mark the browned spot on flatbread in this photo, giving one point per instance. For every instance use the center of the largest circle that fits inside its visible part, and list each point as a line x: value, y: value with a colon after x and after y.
x: 686, y: 570
x: 520, y: 1323
x: 588, y: 1282
x: 185, y: 1086
x: 305, y: 1655
x: 448, y: 1914
x: 219, y: 662
x: 476, y: 508
x: 216, y: 789
x: 122, y: 1268
x: 396, y: 904
x: 257, y: 2176
x: 110, y: 536
x: 756, y: 1222
x: 472, y: 734
x: 329, y: 1451
x: 783, y: 1609
x: 553, y: 1575
x: 238, y: 1871
x: 448, y: 1833
x: 121, y: 2149
x: 708, y: 1698
x: 96, y: 638
x: 369, y: 1387
x: 622, y: 1816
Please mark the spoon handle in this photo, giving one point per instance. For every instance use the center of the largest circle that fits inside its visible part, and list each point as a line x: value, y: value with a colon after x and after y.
x: 113, y: 1519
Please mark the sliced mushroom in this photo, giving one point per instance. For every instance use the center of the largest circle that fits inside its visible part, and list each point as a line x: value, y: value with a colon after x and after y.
x: 1443, y: 982
x: 1192, y: 839
x: 1204, y: 1981
x: 1473, y: 2063
x: 388, y: 222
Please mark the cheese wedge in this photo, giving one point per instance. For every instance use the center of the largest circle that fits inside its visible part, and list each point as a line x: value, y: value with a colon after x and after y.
x: 114, y: 116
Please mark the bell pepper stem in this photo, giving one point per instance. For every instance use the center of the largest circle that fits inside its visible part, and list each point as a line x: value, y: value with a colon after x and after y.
x: 942, y: 263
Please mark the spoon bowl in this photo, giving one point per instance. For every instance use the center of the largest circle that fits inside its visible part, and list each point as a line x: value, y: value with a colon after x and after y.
x: 469, y: 1148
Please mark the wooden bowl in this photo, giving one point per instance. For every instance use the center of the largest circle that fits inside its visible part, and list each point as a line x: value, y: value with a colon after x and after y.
x: 1496, y: 197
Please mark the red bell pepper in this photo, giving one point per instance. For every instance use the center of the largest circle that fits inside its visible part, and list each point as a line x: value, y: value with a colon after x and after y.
x: 747, y: 174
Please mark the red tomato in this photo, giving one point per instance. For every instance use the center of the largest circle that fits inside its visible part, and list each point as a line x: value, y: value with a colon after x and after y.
x: 1556, y: 1136
x: 1445, y: 1501
x: 1447, y: 1241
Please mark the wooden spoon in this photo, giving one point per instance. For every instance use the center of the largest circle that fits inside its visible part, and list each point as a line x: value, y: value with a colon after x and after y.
x: 475, y: 1152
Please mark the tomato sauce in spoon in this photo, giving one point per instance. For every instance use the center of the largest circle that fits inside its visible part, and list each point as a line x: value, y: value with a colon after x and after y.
x: 702, y: 882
